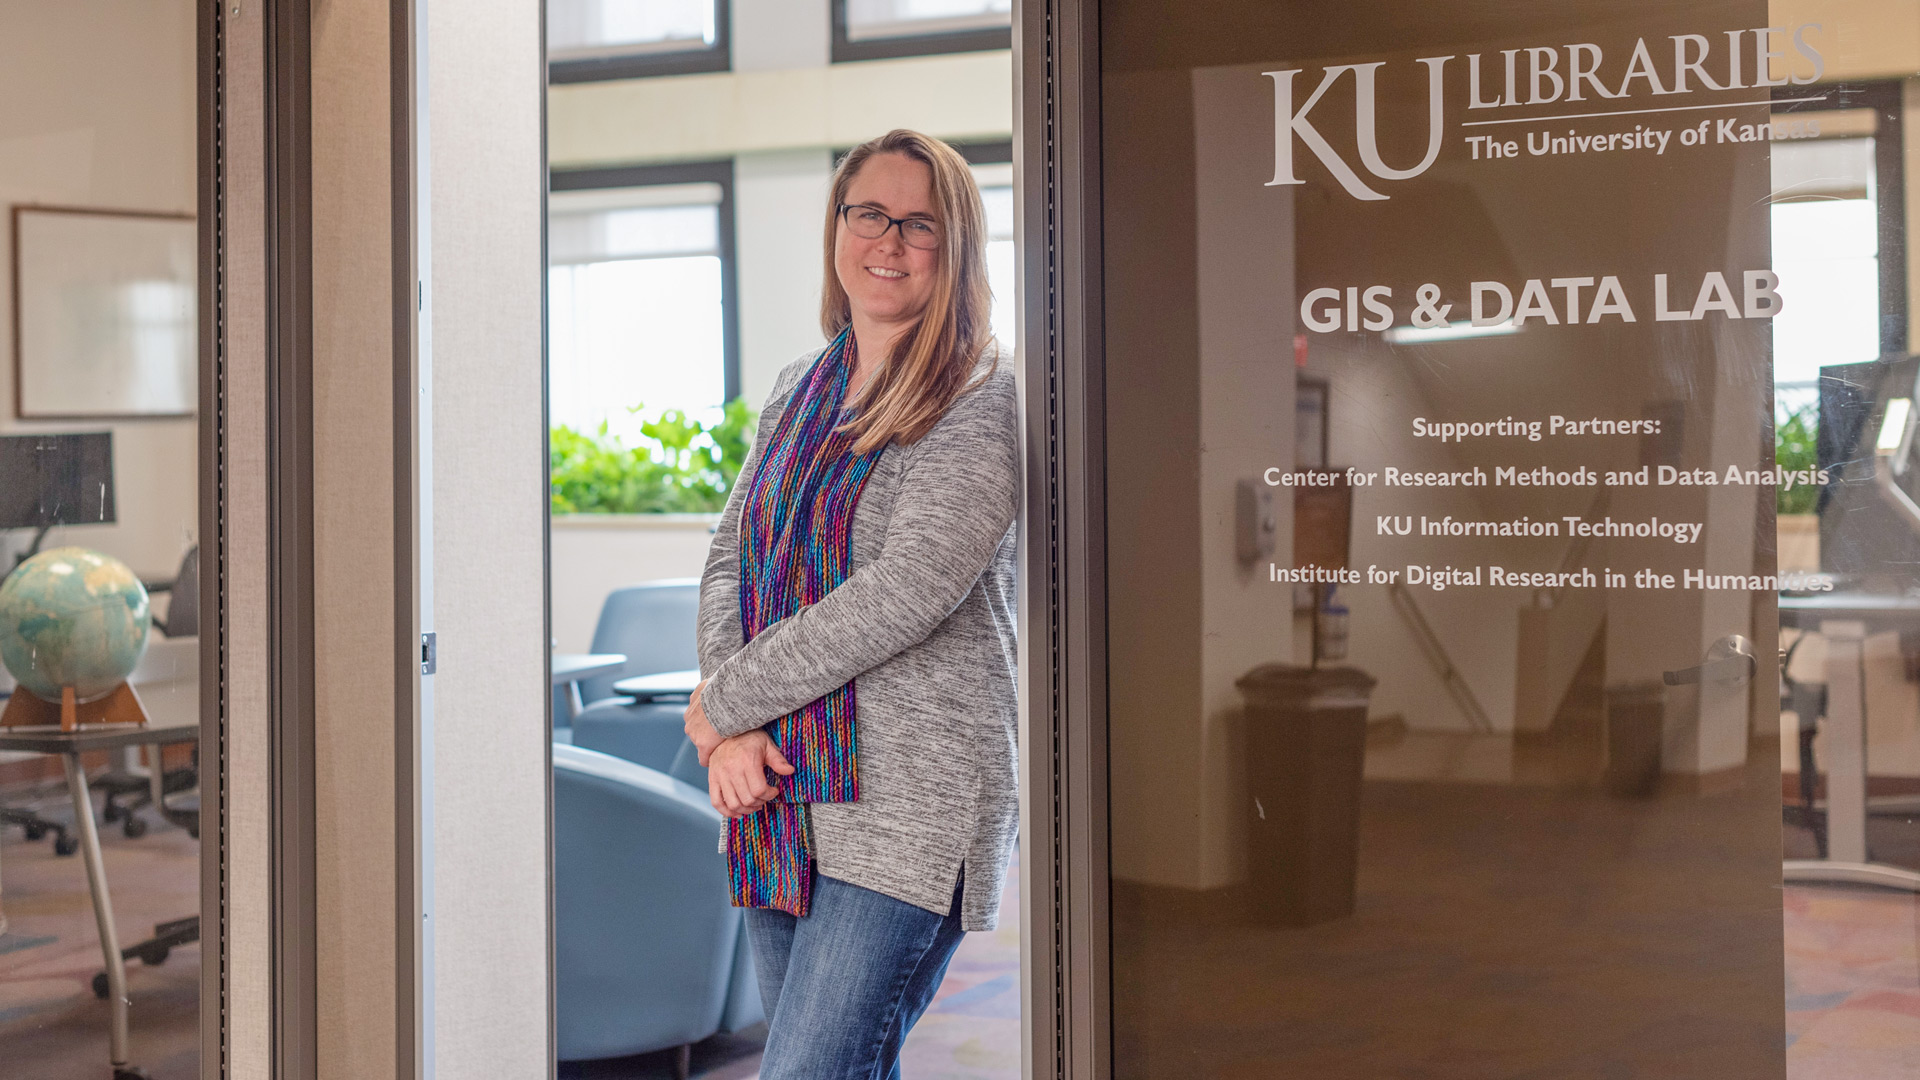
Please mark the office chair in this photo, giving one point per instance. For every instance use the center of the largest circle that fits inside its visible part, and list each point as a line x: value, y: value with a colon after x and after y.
x: 127, y: 792
x: 167, y: 936
x: 686, y: 767
x: 35, y: 826
x: 653, y: 625
x: 648, y: 952
x: 183, y: 598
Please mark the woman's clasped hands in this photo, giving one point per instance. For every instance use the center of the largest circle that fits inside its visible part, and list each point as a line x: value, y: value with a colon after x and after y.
x: 737, y: 782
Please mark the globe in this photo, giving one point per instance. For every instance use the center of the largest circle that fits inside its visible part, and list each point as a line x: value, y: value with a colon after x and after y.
x: 70, y: 617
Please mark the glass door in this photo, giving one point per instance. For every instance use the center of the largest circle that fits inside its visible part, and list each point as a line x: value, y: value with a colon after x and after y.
x: 1495, y: 395
x: 105, y: 500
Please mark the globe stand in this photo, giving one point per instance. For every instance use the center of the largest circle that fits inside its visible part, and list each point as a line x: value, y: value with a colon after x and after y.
x: 121, y: 706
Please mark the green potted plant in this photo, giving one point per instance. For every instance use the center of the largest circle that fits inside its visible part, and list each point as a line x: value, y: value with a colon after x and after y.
x: 680, y: 465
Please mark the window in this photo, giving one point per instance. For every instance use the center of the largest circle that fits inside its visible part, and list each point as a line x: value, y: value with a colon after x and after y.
x: 996, y: 191
x: 992, y: 164
x: 1838, y: 242
x: 1826, y: 251
x: 878, y: 29
x: 639, y: 298
x: 627, y: 39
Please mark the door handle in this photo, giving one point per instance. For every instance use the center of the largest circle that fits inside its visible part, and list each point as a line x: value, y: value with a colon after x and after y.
x: 1729, y: 662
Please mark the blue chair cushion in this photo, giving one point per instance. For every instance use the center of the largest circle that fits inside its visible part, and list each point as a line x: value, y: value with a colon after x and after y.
x: 647, y: 734
x: 686, y: 766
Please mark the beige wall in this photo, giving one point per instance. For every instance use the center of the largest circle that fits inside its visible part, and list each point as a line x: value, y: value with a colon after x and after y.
x: 97, y: 110
x: 1910, y: 134
x: 778, y: 200
x: 593, y: 554
x: 690, y: 117
x: 353, y: 543
x: 1858, y: 39
x: 489, y: 835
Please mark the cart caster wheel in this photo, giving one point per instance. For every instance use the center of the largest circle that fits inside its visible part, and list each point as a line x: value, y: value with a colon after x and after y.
x: 109, y: 812
x: 134, y: 828
x: 193, y: 831
x: 100, y: 986
x: 129, y: 1072
x: 65, y: 845
x: 155, y: 957
x: 35, y: 832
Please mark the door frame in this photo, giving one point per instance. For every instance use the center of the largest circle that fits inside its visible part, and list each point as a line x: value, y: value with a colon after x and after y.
x: 209, y: 39
x: 262, y: 661
x: 256, y: 282
x: 1065, y: 881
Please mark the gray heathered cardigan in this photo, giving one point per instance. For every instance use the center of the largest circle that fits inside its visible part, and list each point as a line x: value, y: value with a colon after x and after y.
x: 924, y: 625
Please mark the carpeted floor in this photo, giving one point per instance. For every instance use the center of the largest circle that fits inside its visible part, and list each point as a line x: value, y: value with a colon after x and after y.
x: 51, y: 1025
x: 1853, y: 984
x: 972, y: 1030
x: 1853, y: 968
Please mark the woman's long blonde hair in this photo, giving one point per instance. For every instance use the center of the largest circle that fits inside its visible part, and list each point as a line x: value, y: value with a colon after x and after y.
x: 930, y: 362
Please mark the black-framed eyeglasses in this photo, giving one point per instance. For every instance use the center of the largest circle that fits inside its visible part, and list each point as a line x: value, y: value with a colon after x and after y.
x: 869, y: 223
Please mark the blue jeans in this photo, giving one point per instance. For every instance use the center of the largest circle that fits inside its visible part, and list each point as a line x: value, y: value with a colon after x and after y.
x: 843, y: 986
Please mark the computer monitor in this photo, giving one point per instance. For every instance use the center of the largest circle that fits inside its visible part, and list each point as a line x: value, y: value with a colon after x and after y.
x: 48, y: 480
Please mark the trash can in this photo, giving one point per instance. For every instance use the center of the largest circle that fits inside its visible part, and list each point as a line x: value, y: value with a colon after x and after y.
x: 1636, y: 718
x: 1306, y: 744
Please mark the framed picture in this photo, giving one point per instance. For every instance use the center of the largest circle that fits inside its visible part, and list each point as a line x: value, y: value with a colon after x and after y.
x: 103, y: 314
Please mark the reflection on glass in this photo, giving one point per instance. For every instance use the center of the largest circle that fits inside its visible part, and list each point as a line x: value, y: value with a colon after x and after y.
x: 99, y: 563
x: 1452, y: 753
x: 1849, y: 726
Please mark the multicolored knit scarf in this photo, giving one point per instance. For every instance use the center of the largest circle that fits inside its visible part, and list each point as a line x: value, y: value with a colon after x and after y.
x: 796, y: 528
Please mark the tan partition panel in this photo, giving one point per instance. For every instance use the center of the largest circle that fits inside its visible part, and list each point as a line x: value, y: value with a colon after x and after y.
x: 248, y: 801
x: 362, y: 694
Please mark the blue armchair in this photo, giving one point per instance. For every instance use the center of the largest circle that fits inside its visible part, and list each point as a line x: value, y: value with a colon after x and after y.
x: 648, y: 952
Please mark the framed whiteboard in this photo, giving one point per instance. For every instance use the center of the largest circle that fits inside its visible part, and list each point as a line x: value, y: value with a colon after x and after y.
x: 103, y: 314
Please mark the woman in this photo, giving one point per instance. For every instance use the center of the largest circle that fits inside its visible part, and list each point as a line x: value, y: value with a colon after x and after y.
x: 857, y: 714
